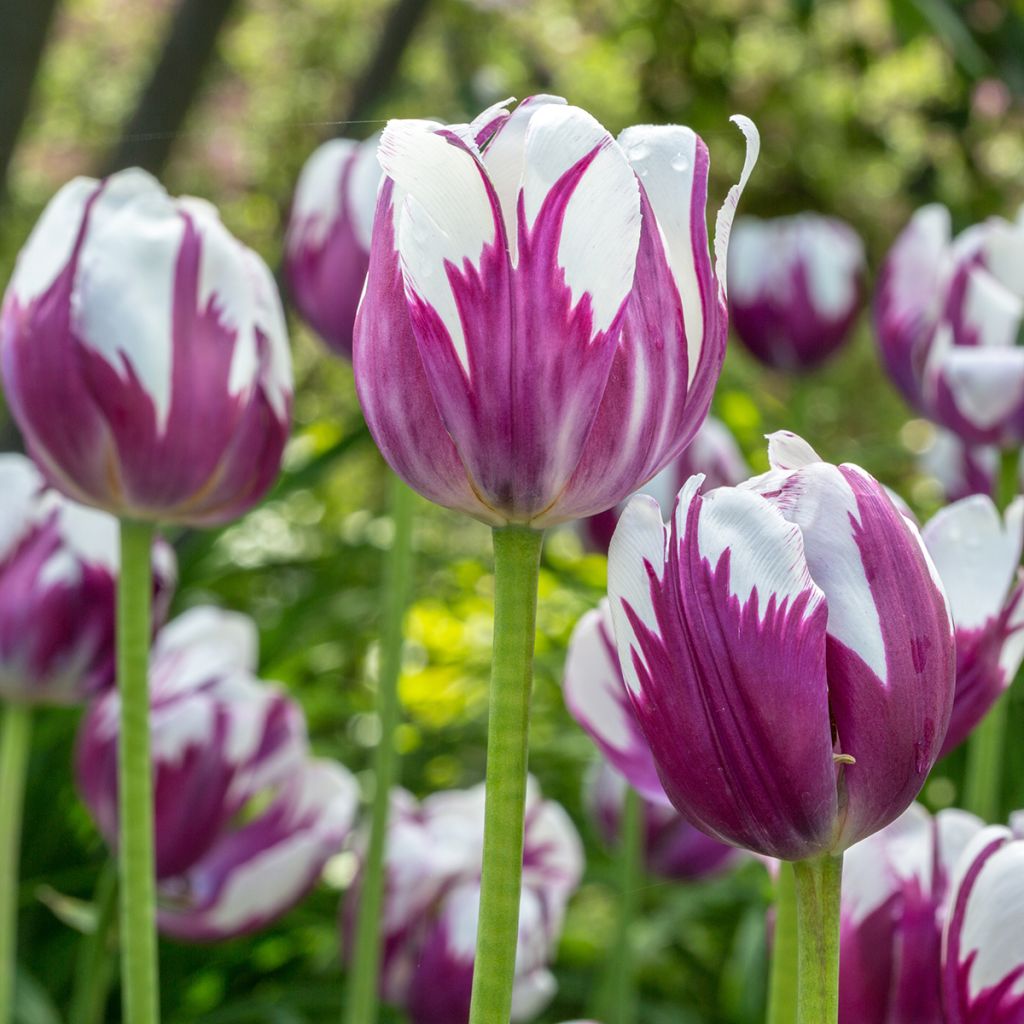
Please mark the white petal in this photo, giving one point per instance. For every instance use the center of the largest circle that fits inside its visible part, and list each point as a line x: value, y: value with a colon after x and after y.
x: 723, y: 222
x: 1004, y: 254
x: 90, y: 536
x: 788, y: 451
x: 987, y: 384
x: 215, y: 640
x: 991, y: 309
x: 363, y: 185
x: 317, y: 201
x: 21, y: 508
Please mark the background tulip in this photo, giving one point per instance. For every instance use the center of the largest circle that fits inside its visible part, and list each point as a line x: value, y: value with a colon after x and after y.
x: 58, y: 573
x: 977, y: 554
x: 948, y: 313
x: 896, y: 894
x: 788, y: 651
x: 797, y: 284
x: 542, y: 327
x: 220, y: 740
x: 327, y: 245
x: 145, y: 355
x: 961, y: 469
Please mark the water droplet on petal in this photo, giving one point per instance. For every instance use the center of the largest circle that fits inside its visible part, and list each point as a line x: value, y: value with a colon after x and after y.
x: 639, y: 151
x: 680, y: 162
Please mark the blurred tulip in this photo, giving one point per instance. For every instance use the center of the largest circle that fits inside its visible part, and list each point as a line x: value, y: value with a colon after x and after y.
x: 58, y: 575
x: 961, y: 469
x: 896, y: 894
x: 788, y: 651
x: 977, y: 554
x: 432, y: 895
x: 983, y: 942
x: 542, y: 327
x: 948, y: 316
x: 145, y: 355
x: 327, y: 245
x: 713, y: 452
x: 797, y: 287
x: 222, y: 739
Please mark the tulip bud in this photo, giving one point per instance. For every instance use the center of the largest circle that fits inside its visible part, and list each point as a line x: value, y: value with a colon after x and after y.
x: 432, y: 895
x: 788, y: 651
x: 797, y: 287
x: 948, y: 316
x: 896, y: 895
x: 542, y: 327
x: 58, y: 576
x: 327, y: 245
x: 221, y: 739
x: 977, y: 554
x: 145, y: 355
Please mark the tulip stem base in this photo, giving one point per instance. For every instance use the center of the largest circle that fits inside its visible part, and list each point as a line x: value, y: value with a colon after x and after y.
x: 139, y: 970
x: 94, y: 965
x: 15, y: 740
x: 782, y: 983
x: 622, y: 1004
x: 985, y: 762
x: 818, y: 884
x: 516, y: 569
x: 361, y: 1003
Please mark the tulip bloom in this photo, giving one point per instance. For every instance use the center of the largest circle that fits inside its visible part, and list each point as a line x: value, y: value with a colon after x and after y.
x: 982, y: 947
x: 896, y: 896
x: 145, y: 356
x: 58, y: 575
x: 797, y: 287
x: 948, y: 315
x: 788, y: 651
x: 961, y: 469
x: 977, y: 554
x: 542, y: 327
x: 221, y: 739
x: 432, y: 895
x: 713, y: 452
x: 327, y: 245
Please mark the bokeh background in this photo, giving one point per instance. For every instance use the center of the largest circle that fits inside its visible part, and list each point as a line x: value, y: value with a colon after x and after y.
x: 867, y: 109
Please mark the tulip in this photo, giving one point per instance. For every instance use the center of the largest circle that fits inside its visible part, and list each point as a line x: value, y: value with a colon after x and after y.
x: 432, y: 899
x: 223, y: 743
x: 896, y: 895
x: 327, y: 244
x: 948, y: 313
x: 977, y: 554
x: 797, y: 287
x: 58, y: 574
x: 713, y: 452
x: 961, y: 469
x: 145, y: 355
x: 982, y: 949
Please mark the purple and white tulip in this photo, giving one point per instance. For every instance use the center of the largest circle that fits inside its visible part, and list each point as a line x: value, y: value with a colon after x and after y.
x: 983, y: 942
x: 961, y: 469
x: 327, y: 244
x: 977, y: 554
x: 788, y: 650
x: 797, y: 284
x: 58, y: 578
x: 895, y: 900
x: 948, y: 316
x: 220, y: 738
x: 432, y: 895
x: 713, y: 452
x: 145, y: 356
x: 542, y: 326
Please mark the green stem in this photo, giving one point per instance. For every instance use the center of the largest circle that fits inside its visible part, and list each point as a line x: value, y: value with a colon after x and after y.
x: 15, y: 741
x: 94, y: 965
x: 984, y: 774
x: 361, y: 1005
x: 782, y: 985
x: 622, y: 1007
x: 140, y: 985
x: 818, y: 885
x: 516, y: 567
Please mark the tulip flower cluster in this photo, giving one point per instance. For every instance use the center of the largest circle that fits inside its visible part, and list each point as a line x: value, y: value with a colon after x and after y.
x: 432, y: 900
x: 245, y: 818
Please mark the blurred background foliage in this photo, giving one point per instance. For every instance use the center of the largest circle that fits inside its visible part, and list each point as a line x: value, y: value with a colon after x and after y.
x: 866, y: 109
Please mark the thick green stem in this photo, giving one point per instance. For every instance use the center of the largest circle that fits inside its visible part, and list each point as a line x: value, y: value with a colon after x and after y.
x: 361, y: 1005
x: 140, y: 985
x: 818, y: 885
x: 622, y: 1004
x: 516, y: 566
x: 95, y: 963
x: 782, y: 985
x: 983, y: 779
x: 14, y: 747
